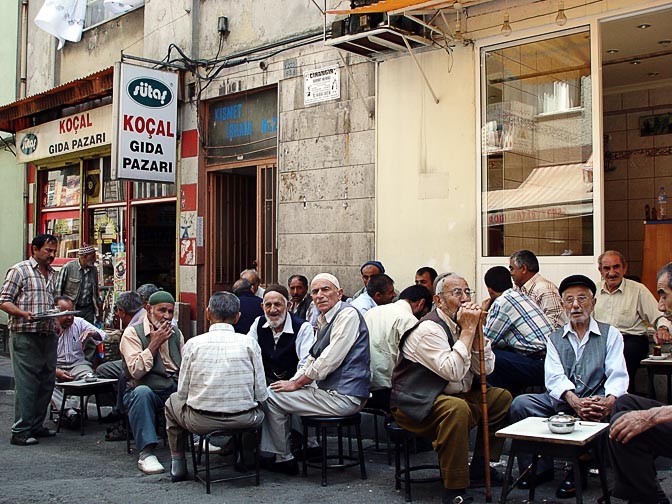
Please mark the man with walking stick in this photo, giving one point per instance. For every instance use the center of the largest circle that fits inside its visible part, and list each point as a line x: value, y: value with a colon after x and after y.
x: 432, y: 393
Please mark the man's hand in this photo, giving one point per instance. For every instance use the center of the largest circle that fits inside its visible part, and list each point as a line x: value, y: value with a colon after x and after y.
x: 87, y: 334
x: 468, y: 316
x: 631, y: 424
x: 163, y: 333
x: 285, y: 386
x: 63, y: 375
x: 596, y: 408
x: 485, y: 304
x: 662, y: 335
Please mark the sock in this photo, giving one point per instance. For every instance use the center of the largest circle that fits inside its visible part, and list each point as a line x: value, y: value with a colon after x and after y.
x: 178, y: 466
x: 147, y: 451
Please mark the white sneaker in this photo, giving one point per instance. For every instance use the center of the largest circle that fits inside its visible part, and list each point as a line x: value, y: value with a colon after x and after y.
x: 150, y: 465
x: 213, y: 449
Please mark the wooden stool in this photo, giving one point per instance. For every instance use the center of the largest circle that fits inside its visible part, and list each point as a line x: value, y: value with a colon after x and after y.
x: 402, y: 440
x: 236, y: 435
x: 343, y: 461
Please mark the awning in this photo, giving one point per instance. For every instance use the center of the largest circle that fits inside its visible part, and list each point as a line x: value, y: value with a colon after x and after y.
x: 17, y: 115
x: 549, y: 193
x: 400, y: 6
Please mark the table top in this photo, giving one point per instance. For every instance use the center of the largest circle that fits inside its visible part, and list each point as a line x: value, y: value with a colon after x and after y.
x: 536, y: 429
x: 79, y: 384
x: 666, y: 361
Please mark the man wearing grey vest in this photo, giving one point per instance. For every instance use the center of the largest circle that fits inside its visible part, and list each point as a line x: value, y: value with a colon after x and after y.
x: 151, y: 351
x: 432, y: 394
x: 584, y: 374
x: 334, y: 380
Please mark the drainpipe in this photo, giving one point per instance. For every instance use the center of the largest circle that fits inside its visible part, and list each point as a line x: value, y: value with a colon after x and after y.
x: 23, y: 50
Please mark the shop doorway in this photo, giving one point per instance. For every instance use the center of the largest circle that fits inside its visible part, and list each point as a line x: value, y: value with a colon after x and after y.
x: 637, y: 125
x: 242, y: 224
x: 155, y: 239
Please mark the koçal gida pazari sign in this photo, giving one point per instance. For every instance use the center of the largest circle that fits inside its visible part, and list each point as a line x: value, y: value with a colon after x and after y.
x: 146, y: 124
x: 68, y: 135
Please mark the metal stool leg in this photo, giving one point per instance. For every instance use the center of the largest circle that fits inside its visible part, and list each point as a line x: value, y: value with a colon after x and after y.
x: 397, y: 464
x: 407, y: 472
x: 324, y: 455
x: 305, y: 450
x: 360, y: 451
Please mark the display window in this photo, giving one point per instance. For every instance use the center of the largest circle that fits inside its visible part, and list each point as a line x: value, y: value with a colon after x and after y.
x: 65, y: 226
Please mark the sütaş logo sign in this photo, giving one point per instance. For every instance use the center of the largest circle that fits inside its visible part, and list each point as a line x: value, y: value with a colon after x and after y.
x: 28, y: 144
x: 149, y: 92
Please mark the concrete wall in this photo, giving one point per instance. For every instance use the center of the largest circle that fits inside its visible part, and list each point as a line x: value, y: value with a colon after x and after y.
x: 12, y: 207
x: 426, y: 179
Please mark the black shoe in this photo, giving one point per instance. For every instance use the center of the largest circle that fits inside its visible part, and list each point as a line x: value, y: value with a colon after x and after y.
x: 116, y: 433
x: 459, y: 496
x: 536, y: 480
x: 567, y: 489
x: 111, y: 417
x: 43, y: 432
x: 176, y: 478
x: 288, y: 467
x: 23, y: 440
x: 73, y: 422
x: 477, y: 474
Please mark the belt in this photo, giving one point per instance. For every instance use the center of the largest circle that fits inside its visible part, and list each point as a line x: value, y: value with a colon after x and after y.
x: 221, y: 414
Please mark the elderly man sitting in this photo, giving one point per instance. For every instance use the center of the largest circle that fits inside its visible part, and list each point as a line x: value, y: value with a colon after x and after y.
x: 152, y: 355
x: 334, y: 380
x: 221, y: 382
x: 71, y: 364
x: 584, y: 369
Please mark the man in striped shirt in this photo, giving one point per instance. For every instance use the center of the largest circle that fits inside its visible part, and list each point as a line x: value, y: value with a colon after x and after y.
x: 29, y: 288
x: 518, y: 330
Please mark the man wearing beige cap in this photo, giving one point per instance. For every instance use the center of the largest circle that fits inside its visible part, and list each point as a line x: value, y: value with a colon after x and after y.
x: 334, y: 379
x: 79, y: 281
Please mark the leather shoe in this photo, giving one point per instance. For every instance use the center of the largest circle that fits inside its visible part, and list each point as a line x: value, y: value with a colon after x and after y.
x: 456, y: 497
x: 288, y: 467
x: 567, y: 489
x: 150, y: 465
x: 536, y: 480
x: 23, y: 440
x: 43, y: 432
x: 176, y: 478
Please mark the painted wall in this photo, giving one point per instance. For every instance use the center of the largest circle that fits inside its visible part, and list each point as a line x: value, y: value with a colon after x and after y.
x: 11, y: 174
x: 426, y: 154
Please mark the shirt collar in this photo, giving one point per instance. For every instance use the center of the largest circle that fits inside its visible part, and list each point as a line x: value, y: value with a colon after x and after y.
x: 531, y: 281
x: 329, y: 316
x: 604, y: 290
x: 221, y: 326
x: 34, y: 264
x: 592, y: 328
x: 287, y: 327
x: 452, y: 325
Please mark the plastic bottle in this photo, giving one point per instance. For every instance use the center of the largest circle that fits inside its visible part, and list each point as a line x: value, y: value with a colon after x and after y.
x: 661, y: 204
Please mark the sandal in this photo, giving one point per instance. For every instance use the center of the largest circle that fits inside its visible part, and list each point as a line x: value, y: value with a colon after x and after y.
x: 116, y: 433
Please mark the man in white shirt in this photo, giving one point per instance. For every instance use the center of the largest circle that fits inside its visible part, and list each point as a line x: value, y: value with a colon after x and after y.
x: 71, y: 364
x: 221, y: 384
x: 584, y: 373
x: 387, y: 324
x: 284, y: 339
x: 334, y: 380
x: 628, y: 306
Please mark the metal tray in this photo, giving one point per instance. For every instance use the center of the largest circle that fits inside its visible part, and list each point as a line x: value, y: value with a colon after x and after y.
x: 47, y: 315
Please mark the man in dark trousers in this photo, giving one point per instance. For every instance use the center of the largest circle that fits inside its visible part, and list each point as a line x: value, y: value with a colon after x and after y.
x: 250, y: 305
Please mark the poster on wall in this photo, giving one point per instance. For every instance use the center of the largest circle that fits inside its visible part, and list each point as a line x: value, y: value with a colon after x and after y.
x: 119, y: 271
x: 146, y: 124
x: 321, y: 85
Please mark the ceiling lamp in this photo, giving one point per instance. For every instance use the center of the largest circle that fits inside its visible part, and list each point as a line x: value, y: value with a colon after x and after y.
x: 561, y: 18
x: 458, y: 36
x: 644, y: 26
x: 506, y: 26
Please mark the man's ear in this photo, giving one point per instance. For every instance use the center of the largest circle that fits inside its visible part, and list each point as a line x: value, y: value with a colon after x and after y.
x: 235, y: 320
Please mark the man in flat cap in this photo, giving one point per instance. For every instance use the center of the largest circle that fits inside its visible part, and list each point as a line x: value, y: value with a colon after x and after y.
x: 334, y: 379
x: 367, y: 270
x: 152, y: 355
x: 584, y: 373
x: 78, y: 280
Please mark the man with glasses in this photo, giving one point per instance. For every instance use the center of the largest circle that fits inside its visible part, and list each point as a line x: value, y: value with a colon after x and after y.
x: 432, y: 393
x: 585, y: 373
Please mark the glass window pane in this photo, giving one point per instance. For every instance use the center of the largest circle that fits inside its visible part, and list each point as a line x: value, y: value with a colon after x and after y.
x: 143, y: 190
x: 65, y: 227
x: 537, y: 166
x: 106, y: 232
x: 61, y: 188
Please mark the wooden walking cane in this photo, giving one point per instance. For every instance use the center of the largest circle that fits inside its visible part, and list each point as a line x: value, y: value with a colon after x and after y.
x: 484, y: 404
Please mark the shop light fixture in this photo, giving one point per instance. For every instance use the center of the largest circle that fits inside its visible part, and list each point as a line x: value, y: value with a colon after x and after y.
x: 458, y: 36
x: 561, y: 18
x: 636, y: 62
x: 506, y: 25
x: 644, y: 26
x: 653, y: 74
x: 612, y: 51
x: 665, y: 42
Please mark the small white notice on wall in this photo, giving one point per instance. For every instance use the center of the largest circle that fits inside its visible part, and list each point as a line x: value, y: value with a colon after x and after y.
x: 321, y: 85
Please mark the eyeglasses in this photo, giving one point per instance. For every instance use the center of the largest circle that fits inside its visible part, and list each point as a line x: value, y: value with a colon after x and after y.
x: 569, y: 301
x: 458, y: 292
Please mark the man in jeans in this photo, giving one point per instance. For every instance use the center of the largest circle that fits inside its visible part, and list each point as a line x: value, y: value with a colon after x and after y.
x: 29, y: 288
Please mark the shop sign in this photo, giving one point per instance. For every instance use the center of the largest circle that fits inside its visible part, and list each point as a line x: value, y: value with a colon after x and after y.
x: 321, y: 85
x: 67, y: 135
x: 146, y: 124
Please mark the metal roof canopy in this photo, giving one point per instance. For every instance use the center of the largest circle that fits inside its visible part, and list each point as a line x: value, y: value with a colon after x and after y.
x: 17, y: 115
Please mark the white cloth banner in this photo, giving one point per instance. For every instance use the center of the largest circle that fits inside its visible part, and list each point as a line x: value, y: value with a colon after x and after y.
x: 121, y: 6
x: 64, y: 19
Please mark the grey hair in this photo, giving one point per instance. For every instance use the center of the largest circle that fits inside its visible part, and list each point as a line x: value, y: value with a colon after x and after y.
x: 441, y: 279
x: 130, y: 302
x: 624, y: 262
x: 224, y: 306
x: 146, y: 290
x: 666, y: 270
x: 527, y: 258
